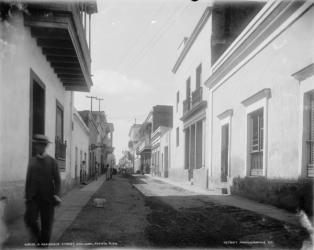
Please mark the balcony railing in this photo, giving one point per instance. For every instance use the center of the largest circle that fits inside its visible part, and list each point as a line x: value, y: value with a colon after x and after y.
x: 60, y: 151
x: 189, y: 103
x: 197, y: 96
x: 145, y: 144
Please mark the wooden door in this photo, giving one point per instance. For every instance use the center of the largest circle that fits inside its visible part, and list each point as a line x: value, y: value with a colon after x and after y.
x: 166, y: 162
x: 224, y: 152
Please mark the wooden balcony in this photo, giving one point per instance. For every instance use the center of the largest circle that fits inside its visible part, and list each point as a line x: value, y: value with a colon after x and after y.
x: 197, y: 96
x: 60, y: 32
x: 145, y: 145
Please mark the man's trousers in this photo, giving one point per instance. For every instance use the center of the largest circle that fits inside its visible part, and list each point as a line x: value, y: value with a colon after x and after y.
x: 44, y: 210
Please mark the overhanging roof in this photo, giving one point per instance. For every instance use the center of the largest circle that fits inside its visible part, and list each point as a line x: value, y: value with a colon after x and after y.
x: 58, y: 30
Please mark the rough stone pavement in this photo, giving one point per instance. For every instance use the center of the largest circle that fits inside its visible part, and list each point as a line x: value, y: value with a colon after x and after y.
x: 244, y: 220
x: 229, y: 200
x: 120, y: 222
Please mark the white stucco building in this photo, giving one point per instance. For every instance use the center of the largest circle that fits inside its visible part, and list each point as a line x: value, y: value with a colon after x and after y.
x: 190, y: 141
x: 80, y: 148
x: 189, y: 116
x: 43, y: 58
x: 161, y: 146
x: 244, y: 98
x: 261, y: 95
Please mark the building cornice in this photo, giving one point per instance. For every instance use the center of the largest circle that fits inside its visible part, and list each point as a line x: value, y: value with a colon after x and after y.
x: 304, y: 73
x: 201, y: 23
x: 271, y: 21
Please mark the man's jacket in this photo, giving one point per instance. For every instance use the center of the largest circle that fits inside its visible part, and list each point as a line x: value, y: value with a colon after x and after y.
x: 42, y: 179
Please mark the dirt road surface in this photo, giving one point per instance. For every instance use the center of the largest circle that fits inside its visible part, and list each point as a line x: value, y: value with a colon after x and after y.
x: 147, y: 213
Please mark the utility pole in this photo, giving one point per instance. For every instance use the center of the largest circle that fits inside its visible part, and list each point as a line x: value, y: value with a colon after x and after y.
x: 91, y: 102
x: 99, y: 100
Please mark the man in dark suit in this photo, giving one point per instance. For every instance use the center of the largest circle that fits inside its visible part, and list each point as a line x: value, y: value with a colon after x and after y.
x: 42, y: 192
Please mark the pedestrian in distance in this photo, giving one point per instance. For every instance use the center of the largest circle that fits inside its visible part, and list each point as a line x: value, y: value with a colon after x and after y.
x: 96, y: 171
x: 107, y: 172
x: 42, y: 191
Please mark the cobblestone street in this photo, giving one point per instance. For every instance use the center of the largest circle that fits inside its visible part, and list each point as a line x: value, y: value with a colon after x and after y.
x: 138, y: 214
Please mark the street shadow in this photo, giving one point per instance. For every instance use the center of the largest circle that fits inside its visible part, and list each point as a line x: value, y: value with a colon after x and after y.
x: 195, y: 221
x: 136, y: 179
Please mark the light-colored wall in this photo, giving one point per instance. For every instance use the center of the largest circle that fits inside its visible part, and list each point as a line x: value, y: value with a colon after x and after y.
x: 19, y: 54
x: 271, y: 68
x: 80, y: 140
x: 200, y: 52
x: 165, y: 141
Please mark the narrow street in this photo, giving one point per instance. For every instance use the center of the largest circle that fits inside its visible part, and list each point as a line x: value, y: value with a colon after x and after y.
x: 140, y: 211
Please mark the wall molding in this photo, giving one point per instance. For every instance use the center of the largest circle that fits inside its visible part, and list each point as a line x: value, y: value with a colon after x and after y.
x: 225, y: 114
x: 264, y: 93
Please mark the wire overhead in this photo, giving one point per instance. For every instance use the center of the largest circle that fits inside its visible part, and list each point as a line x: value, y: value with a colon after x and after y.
x: 152, y: 42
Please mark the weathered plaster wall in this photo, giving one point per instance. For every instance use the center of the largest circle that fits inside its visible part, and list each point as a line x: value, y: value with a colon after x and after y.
x: 19, y: 54
x: 270, y: 68
x: 165, y: 141
x: 199, y: 53
x: 80, y: 140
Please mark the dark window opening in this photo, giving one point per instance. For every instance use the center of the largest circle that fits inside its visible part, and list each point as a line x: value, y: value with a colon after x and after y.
x: 177, y: 137
x: 198, y: 76
x: 37, y: 109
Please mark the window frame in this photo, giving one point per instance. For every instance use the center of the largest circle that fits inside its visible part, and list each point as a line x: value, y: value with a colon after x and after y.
x: 198, y: 80
x: 60, y: 107
x: 254, y: 103
x: 188, y: 88
x: 226, y: 119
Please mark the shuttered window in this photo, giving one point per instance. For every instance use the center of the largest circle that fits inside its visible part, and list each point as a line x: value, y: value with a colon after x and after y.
x: 256, y: 120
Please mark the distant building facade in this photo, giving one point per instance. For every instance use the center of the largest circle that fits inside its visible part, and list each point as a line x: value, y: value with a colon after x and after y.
x: 161, y: 115
x: 94, y: 138
x: 80, y: 149
x: 161, y: 145
x: 134, y: 138
x: 105, y: 140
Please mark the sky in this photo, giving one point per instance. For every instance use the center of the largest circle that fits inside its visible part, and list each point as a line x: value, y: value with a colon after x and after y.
x: 134, y: 47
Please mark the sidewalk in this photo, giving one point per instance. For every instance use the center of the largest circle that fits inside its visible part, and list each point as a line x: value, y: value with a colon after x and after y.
x: 72, y: 203
x: 240, y: 202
